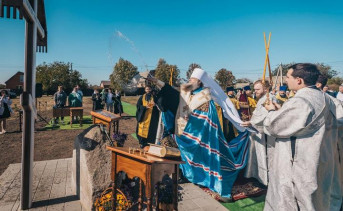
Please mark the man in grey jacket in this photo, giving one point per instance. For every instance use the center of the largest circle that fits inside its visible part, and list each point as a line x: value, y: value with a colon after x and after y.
x: 60, y: 98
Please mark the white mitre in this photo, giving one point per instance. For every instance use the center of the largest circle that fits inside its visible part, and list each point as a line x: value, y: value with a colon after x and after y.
x: 198, y: 74
x: 219, y: 96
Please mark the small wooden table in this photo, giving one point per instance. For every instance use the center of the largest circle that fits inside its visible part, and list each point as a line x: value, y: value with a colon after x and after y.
x: 61, y: 112
x: 76, y: 111
x: 68, y: 111
x: 106, y: 118
x: 149, y: 169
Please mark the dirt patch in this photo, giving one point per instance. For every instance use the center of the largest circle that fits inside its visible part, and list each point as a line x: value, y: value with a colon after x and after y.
x: 52, y: 144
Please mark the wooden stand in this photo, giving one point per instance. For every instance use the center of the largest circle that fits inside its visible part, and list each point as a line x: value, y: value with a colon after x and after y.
x: 106, y: 118
x: 149, y: 169
x: 76, y: 111
x: 69, y: 111
x: 61, y: 112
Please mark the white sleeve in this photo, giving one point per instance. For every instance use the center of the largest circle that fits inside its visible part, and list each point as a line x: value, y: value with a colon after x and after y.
x: 258, y: 117
x: 292, y: 117
x: 160, y: 84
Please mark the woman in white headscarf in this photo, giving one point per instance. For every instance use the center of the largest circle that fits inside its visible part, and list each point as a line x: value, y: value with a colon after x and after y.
x: 5, y: 110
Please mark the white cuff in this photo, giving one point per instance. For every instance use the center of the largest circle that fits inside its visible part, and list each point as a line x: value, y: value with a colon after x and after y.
x: 160, y: 84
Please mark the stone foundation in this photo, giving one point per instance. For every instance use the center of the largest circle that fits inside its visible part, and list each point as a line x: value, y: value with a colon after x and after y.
x: 91, y: 166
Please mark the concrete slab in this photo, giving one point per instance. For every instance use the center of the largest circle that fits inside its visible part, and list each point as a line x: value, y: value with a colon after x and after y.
x: 50, y: 189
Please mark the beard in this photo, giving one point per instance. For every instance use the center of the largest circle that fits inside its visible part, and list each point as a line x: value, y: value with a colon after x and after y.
x: 188, y: 87
x: 259, y: 95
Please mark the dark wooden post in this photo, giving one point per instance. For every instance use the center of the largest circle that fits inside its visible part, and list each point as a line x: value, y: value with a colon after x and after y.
x: 28, y: 120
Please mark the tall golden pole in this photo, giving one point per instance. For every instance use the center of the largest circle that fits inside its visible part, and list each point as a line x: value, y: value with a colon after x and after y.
x: 270, y: 70
x: 267, y: 55
x: 265, y: 65
x: 171, y: 77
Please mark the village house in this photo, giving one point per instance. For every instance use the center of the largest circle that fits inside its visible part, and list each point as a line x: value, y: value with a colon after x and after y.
x: 105, y: 84
x: 16, y: 82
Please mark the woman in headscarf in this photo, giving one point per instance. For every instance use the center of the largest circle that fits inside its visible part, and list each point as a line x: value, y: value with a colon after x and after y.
x: 5, y: 110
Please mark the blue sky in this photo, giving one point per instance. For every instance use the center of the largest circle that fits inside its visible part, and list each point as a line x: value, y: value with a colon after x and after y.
x: 215, y: 34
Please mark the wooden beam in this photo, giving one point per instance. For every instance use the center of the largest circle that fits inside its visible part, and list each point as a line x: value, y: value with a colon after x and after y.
x: 1, y: 9
x: 24, y: 8
x: 28, y: 104
x: 10, y: 4
x: 29, y: 111
x: 30, y: 13
x: 8, y: 12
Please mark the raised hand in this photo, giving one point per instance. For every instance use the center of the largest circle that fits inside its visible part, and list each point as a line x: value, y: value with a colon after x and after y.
x: 246, y: 124
x: 152, y: 79
x: 270, y: 106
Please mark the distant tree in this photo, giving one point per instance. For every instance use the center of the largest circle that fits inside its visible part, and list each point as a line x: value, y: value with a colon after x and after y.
x: 123, y: 73
x: 327, y: 70
x: 191, y: 67
x: 323, y: 68
x: 335, y: 82
x: 163, y: 72
x: 243, y: 80
x: 284, y: 69
x: 225, y: 78
x: 2, y: 86
x: 57, y: 73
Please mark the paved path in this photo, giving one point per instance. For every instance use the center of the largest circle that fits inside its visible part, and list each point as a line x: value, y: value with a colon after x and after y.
x: 52, y: 189
x: 196, y: 199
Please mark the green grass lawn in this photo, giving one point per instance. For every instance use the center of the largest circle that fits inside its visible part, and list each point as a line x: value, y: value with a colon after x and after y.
x: 134, y: 135
x: 87, y: 122
x: 248, y: 204
x: 129, y: 108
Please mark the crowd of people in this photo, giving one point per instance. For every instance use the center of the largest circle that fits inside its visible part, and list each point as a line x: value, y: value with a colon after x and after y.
x: 75, y: 99
x: 107, y: 100
x: 290, y: 139
x: 104, y: 100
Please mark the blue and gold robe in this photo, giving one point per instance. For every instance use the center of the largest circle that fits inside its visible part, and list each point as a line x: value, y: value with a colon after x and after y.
x: 211, y: 160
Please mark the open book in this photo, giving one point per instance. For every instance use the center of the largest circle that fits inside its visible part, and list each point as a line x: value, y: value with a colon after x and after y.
x: 162, y: 151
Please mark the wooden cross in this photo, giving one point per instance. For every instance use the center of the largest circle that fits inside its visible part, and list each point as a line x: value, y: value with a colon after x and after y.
x: 29, y: 10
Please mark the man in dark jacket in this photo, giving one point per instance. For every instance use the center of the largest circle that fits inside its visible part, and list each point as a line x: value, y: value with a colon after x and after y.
x: 96, y: 98
x: 147, y: 118
x: 60, y: 98
x: 118, y: 107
